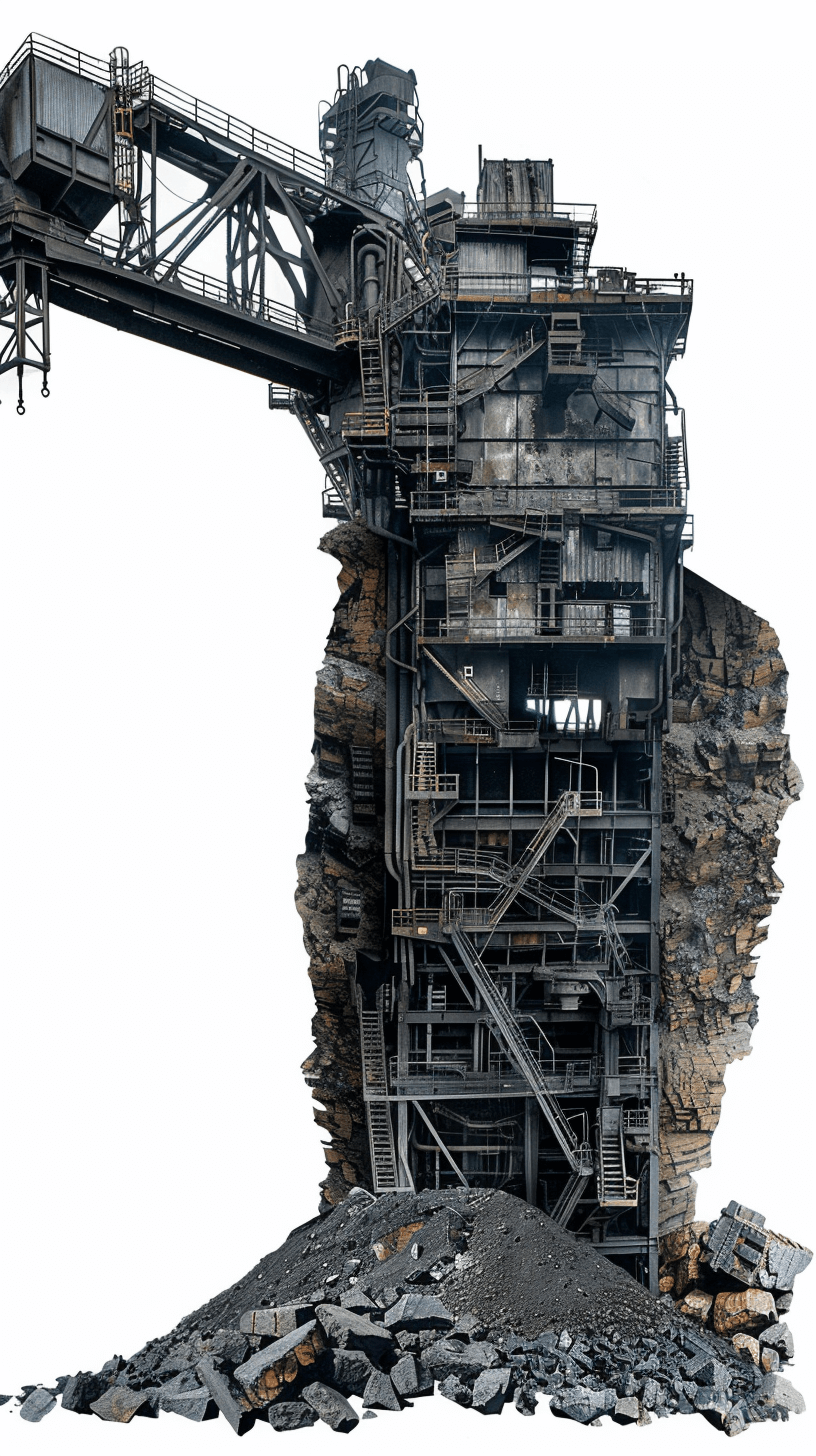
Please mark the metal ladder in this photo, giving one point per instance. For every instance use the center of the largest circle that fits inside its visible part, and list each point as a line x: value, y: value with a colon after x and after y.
x: 514, y: 1046
x: 615, y: 1188
x: 375, y: 1094
x: 375, y: 403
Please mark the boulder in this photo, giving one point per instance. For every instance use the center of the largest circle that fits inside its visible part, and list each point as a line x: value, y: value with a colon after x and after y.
x: 696, y: 1304
x: 769, y: 1359
x: 416, y: 1312
x: 348, y: 1371
x: 776, y: 1390
x: 331, y: 1407
x: 349, y: 1331
x: 232, y: 1403
x: 194, y: 1405
x: 490, y: 1391
x: 582, y: 1403
x: 744, y: 1309
x: 410, y: 1378
x: 119, y: 1403
x: 778, y: 1337
x: 453, y: 1389
x: 358, y: 1302
x: 38, y: 1404
x: 266, y: 1373
x: 81, y: 1389
x: 380, y: 1394
x: 626, y: 1411
x: 747, y: 1346
x: 291, y: 1415
x: 453, y: 1357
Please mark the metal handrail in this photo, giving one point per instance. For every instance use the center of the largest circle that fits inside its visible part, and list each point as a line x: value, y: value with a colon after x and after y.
x: 216, y: 291
x: 562, y: 625
x: 585, y: 213
x: 606, y: 498
x: 151, y: 88
x: 583, y: 281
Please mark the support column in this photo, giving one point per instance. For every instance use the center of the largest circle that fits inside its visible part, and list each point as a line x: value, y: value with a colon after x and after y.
x: 531, y: 1121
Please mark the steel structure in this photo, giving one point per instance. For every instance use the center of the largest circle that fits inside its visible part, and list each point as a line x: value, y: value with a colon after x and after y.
x: 498, y: 411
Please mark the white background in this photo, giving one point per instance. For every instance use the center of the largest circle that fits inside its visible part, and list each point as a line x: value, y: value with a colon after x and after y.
x: 162, y: 615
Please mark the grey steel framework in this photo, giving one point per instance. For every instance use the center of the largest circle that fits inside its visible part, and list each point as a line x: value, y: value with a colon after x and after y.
x: 497, y: 410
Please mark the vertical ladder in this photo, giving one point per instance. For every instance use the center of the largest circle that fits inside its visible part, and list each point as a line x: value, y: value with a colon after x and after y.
x: 375, y: 1093
x: 375, y: 401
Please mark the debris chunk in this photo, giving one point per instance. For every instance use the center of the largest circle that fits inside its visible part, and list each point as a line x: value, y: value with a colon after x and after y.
x: 38, y: 1404
x: 331, y: 1406
x: 265, y: 1374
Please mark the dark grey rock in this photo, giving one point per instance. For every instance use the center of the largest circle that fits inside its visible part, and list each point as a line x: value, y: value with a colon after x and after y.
x: 454, y: 1357
x: 779, y: 1338
x: 331, y: 1407
x: 349, y: 1331
x: 358, y: 1302
x: 453, y: 1389
x: 348, y: 1371
x: 291, y: 1415
x: 250, y: 1375
x: 626, y: 1410
x: 4, y: 1399
x: 81, y: 1389
x: 490, y: 1391
x: 410, y: 1378
x: 194, y: 1405
x: 120, y: 1404
x: 583, y: 1404
x: 414, y: 1312
x: 228, y: 1401
x: 38, y: 1404
x: 380, y: 1394
x: 777, y: 1391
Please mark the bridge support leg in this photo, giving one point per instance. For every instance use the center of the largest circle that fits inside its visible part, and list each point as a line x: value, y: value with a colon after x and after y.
x: 531, y: 1123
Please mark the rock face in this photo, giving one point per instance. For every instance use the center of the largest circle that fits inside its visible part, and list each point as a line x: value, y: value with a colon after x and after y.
x: 728, y: 769
x: 342, y: 855
x: 729, y: 779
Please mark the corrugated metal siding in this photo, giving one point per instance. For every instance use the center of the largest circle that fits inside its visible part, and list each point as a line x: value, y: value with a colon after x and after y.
x: 517, y: 185
x: 490, y: 258
x: 18, y: 138
x: 627, y: 561
x: 69, y: 105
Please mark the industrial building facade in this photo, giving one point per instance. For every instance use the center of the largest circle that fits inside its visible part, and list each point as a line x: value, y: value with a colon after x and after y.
x: 497, y: 409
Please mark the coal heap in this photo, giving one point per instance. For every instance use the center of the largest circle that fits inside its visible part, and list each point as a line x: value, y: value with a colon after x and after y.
x: 471, y: 1292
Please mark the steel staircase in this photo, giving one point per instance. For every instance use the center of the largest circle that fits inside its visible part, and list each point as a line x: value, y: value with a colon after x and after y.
x: 335, y: 460
x: 471, y: 690
x: 375, y: 402
x: 567, y: 1202
x: 375, y: 1093
x: 615, y: 1188
x: 478, y: 381
x: 518, y: 874
x: 515, y: 1048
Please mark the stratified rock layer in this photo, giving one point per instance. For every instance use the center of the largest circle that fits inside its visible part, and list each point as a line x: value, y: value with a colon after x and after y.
x: 728, y: 769
x: 342, y: 855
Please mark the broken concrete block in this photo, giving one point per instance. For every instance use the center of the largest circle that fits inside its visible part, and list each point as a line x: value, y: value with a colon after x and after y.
x: 194, y: 1405
x: 228, y: 1347
x: 38, y: 1404
x: 746, y: 1309
x: 735, y: 1420
x: 234, y: 1408
x: 410, y: 1378
x: 695, y: 1304
x: 291, y: 1415
x: 747, y: 1346
x: 282, y: 1320
x: 582, y: 1403
x: 779, y: 1338
x: 331, y: 1406
x: 626, y: 1411
x: 769, y: 1359
x: 453, y: 1389
x: 348, y: 1371
x: 776, y: 1390
x: 349, y: 1331
x: 710, y: 1371
x: 380, y: 1394
x: 414, y: 1312
x: 265, y: 1374
x: 490, y: 1391
x: 120, y: 1403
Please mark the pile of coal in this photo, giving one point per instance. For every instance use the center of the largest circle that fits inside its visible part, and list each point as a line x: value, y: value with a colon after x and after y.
x: 471, y: 1294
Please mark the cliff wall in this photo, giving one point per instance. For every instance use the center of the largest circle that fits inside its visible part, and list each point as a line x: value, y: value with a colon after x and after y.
x: 728, y: 769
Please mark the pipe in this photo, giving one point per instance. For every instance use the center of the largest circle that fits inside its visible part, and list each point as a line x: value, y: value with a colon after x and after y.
x: 391, y: 630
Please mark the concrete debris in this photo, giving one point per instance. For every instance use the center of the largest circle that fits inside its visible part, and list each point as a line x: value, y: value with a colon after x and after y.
x: 553, y: 1319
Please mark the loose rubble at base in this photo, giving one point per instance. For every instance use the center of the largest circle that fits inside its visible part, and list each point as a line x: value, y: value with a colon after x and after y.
x: 478, y: 1297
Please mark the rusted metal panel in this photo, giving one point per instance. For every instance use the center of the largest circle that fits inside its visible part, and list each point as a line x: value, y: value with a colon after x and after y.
x: 69, y: 105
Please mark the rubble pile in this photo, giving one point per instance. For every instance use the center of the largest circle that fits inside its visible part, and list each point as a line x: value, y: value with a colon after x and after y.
x: 471, y: 1293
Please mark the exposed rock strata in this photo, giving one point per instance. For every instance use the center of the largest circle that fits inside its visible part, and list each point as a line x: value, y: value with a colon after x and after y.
x: 349, y: 709
x: 727, y: 763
